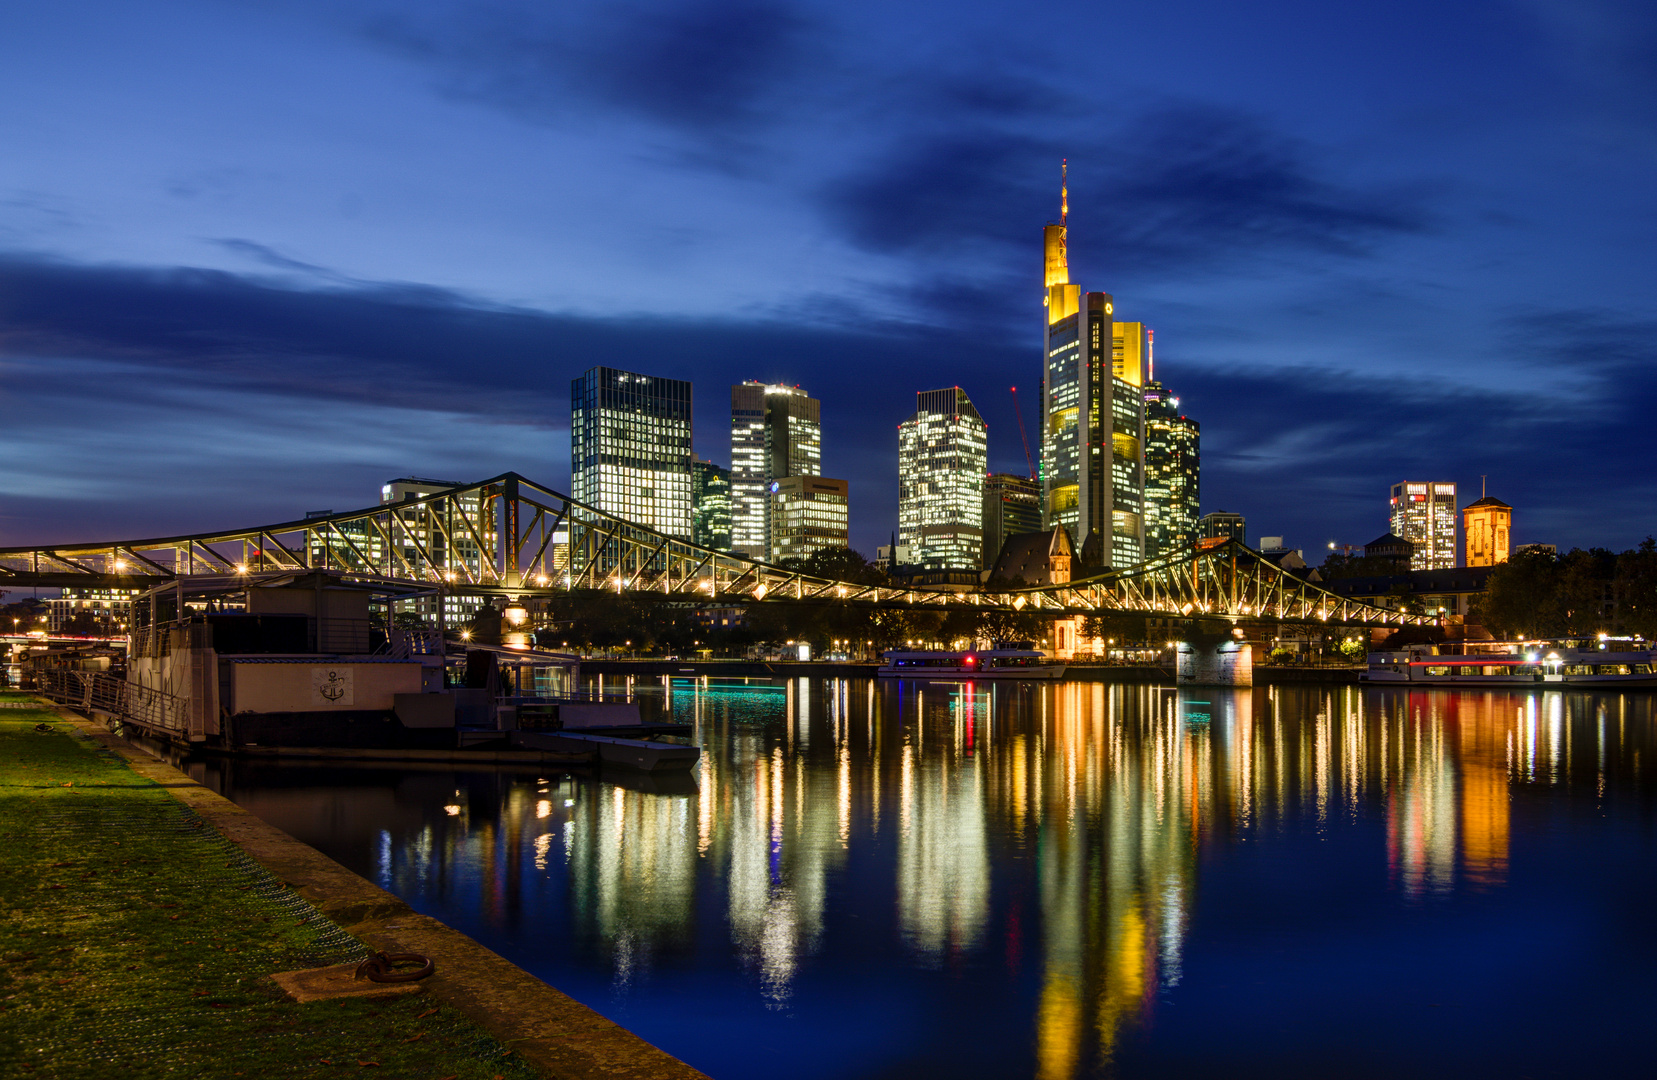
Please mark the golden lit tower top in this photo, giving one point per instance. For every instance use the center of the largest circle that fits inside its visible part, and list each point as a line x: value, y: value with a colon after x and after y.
x: 1053, y: 236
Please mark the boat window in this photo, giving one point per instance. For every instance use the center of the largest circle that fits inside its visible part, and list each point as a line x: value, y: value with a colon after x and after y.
x: 1642, y: 669
x: 1611, y: 669
x: 1579, y: 669
x: 1438, y: 669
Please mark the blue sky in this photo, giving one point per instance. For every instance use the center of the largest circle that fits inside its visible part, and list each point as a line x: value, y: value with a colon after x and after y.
x: 256, y: 258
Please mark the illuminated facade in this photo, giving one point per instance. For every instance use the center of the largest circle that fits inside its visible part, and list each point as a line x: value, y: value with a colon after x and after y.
x: 1012, y: 505
x: 1093, y: 415
x: 1425, y: 515
x: 776, y: 431
x: 1488, y: 527
x: 808, y: 513
x: 1172, y: 473
x: 1222, y: 524
x: 97, y: 610
x: 710, y: 498
x: 630, y: 447
x: 942, y: 458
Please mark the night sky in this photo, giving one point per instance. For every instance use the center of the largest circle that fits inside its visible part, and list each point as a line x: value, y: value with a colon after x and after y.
x: 257, y: 258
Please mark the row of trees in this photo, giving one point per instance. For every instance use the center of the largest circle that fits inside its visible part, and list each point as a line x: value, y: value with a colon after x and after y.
x: 1538, y: 594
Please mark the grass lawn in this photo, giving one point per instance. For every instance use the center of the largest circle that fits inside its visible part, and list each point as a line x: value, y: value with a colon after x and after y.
x: 134, y: 941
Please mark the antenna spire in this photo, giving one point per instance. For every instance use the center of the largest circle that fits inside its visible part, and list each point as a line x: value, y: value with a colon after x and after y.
x: 1150, y: 353
x: 1064, y: 192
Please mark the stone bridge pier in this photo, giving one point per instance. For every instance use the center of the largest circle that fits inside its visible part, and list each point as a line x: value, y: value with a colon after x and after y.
x: 1215, y: 659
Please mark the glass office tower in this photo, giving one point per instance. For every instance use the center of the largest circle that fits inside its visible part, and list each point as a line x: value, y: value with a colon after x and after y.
x: 630, y: 447
x: 942, y: 458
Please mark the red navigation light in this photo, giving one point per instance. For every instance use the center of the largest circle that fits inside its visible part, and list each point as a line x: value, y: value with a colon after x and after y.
x: 971, y: 660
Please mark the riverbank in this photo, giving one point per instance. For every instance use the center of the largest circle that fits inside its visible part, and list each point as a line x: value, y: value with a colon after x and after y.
x: 1264, y: 675
x: 143, y: 914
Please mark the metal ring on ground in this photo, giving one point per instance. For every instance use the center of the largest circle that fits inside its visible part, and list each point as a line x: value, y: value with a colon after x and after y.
x: 377, y: 968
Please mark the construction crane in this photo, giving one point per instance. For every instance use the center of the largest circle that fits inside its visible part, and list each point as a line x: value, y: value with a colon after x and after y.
x: 1028, y: 460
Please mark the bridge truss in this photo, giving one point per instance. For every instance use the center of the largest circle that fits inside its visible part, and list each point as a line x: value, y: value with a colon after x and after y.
x: 508, y: 536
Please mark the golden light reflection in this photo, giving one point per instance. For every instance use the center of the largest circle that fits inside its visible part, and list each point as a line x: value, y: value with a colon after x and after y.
x: 1056, y: 829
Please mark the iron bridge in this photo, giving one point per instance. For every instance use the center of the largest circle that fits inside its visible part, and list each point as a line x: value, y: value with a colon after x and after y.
x: 508, y: 536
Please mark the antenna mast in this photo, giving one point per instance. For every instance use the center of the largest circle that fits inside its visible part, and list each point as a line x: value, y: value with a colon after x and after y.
x: 1028, y: 460
x: 1150, y: 354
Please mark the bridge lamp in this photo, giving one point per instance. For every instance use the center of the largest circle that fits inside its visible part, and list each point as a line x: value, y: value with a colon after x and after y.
x: 541, y: 580
x: 515, y: 613
x: 241, y: 568
x: 449, y: 575
x: 120, y: 565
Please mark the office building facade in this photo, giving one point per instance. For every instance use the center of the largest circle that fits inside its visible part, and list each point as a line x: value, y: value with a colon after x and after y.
x: 630, y: 438
x: 776, y: 431
x: 1093, y: 413
x: 808, y: 513
x: 1424, y: 513
x: 1173, y: 473
x: 1012, y: 505
x: 710, y: 502
x: 1487, y: 526
x: 942, y: 458
x: 1222, y: 525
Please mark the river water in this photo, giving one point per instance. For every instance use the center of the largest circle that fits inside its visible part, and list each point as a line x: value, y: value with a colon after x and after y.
x: 884, y: 879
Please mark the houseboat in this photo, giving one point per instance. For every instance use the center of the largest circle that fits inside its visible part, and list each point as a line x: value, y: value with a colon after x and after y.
x: 971, y: 664
x: 1579, y: 663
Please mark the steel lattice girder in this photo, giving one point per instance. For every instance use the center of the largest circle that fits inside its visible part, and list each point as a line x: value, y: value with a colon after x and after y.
x: 474, y: 539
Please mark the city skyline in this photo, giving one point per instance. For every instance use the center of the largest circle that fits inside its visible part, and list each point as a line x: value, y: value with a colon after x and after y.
x: 336, y: 245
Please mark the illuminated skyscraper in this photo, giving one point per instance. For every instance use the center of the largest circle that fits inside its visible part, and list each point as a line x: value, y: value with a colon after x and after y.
x: 776, y: 431
x: 710, y: 499
x: 1488, y: 527
x: 808, y: 513
x: 1172, y: 473
x: 1222, y: 525
x: 942, y: 459
x: 1012, y: 505
x: 1093, y: 414
x: 630, y: 447
x: 1425, y: 515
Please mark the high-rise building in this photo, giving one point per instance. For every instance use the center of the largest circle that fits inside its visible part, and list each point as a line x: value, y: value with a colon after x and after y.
x: 776, y: 431
x: 1012, y: 505
x: 1425, y: 515
x: 710, y: 505
x: 1488, y: 528
x: 808, y: 513
x: 1172, y: 473
x: 942, y: 459
x: 630, y: 447
x: 1222, y: 524
x: 1093, y: 414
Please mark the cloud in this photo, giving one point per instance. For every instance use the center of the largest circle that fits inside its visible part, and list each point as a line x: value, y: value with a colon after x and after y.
x: 712, y: 70
x: 1172, y: 189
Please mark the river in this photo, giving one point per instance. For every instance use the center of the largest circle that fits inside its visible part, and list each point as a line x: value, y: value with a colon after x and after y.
x: 878, y: 879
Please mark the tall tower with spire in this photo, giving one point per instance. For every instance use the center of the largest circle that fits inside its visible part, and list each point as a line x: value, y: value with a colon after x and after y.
x: 1093, y: 412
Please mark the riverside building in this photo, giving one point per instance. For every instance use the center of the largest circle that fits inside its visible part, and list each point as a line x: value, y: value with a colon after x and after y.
x: 1424, y: 513
x: 630, y: 447
x: 1172, y: 473
x: 776, y: 431
x: 1093, y: 414
x: 1487, y: 526
x: 942, y: 458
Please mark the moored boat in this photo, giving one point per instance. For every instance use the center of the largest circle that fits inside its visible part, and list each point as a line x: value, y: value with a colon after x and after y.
x: 1606, y: 662
x: 970, y: 664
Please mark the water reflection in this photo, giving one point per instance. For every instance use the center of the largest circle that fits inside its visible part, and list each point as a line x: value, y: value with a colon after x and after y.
x: 1040, y: 846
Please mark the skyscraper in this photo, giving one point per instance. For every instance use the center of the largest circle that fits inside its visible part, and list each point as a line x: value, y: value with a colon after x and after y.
x: 1093, y: 414
x: 1222, y: 525
x: 1425, y: 515
x: 710, y: 505
x: 1172, y: 473
x: 1488, y: 528
x: 776, y: 431
x: 1012, y: 505
x: 630, y: 447
x: 942, y: 459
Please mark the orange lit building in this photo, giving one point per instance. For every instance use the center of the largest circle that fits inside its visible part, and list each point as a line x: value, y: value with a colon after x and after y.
x: 1488, y: 527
